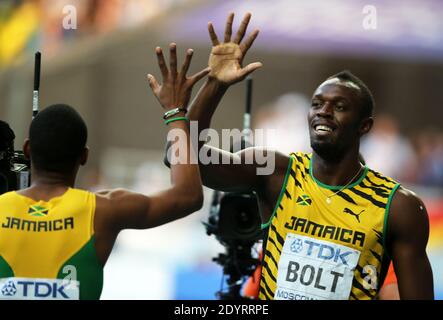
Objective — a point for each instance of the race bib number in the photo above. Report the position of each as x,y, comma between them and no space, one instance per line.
313,269
39,289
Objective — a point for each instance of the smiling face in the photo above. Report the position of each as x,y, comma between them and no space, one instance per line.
335,118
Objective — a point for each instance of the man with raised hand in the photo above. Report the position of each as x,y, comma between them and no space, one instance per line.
55,239
333,224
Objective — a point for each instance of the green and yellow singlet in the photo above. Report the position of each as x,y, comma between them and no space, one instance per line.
47,249
319,249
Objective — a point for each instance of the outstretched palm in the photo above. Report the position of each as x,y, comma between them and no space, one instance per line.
226,58
175,90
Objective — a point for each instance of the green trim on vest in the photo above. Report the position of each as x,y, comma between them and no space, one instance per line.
385,222
89,271
327,186
282,192
5,269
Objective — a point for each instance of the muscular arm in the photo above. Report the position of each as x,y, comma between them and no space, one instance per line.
129,210
408,232
126,209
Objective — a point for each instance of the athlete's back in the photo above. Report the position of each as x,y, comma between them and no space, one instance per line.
47,247
55,240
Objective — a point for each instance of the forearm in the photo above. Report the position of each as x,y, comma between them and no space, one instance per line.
201,110
185,176
206,102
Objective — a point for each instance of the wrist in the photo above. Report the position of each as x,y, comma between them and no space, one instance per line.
216,85
175,112
179,119
171,106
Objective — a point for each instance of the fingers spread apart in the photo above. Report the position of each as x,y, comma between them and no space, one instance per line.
173,60
242,30
161,62
246,45
228,28
212,35
239,35
187,63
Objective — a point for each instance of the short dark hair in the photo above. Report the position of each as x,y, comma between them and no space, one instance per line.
367,99
57,137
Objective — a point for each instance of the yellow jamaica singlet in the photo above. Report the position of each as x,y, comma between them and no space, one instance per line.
47,249
318,249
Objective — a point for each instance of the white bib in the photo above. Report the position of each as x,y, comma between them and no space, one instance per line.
313,269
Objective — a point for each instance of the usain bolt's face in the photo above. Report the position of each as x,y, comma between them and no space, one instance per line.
335,118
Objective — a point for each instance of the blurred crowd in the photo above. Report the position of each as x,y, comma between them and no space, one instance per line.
409,157
28,25
413,157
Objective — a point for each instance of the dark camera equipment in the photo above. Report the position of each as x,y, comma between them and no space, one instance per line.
235,221
36,93
14,167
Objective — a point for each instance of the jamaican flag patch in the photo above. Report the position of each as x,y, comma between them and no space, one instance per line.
304,200
38,211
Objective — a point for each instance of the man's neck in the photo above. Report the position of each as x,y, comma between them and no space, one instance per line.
336,173
47,185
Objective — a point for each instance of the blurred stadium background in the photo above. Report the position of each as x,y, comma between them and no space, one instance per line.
100,69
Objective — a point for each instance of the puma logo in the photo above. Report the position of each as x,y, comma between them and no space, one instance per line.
352,213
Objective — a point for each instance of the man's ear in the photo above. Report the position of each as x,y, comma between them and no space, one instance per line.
27,149
84,156
366,126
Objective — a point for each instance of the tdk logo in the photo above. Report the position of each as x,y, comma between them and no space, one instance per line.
42,290
327,252
38,289
9,289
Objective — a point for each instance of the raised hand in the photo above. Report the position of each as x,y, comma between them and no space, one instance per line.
226,58
175,90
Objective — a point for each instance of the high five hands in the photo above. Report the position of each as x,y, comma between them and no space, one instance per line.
225,65
175,90
227,57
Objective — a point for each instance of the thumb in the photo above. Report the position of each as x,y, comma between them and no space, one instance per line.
250,68
153,83
197,77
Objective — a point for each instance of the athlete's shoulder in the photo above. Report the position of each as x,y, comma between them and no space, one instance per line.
79,195
407,210
275,161
110,194
9,196
406,200
108,200
301,160
408,218
80,191
301,154
283,161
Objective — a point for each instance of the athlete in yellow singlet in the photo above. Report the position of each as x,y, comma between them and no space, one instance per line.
334,224
55,239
